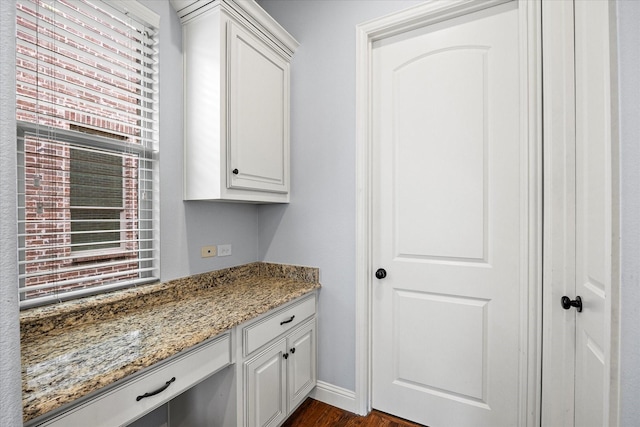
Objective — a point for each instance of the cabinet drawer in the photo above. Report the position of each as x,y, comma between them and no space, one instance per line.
261,332
120,405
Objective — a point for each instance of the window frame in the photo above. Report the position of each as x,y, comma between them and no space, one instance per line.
139,261
147,160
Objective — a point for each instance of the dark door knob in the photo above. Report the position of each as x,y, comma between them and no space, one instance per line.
567,303
381,273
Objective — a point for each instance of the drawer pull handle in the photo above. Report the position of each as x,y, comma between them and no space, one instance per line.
160,390
287,321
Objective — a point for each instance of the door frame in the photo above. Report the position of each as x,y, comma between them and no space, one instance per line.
428,13
531,118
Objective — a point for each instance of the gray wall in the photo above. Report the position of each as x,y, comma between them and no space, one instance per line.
10,400
187,226
318,227
629,92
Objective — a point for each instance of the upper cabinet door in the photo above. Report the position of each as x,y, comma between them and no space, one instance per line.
236,102
258,114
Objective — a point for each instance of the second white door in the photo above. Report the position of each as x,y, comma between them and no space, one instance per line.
577,382
450,228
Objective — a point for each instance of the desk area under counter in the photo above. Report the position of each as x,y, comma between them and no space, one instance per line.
95,359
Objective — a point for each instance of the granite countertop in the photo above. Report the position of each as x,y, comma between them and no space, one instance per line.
77,347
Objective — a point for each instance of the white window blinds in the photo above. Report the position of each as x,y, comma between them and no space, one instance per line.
86,95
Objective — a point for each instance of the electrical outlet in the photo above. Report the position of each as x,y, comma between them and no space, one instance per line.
224,250
208,251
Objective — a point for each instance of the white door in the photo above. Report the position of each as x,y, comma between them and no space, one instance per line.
593,211
450,222
579,196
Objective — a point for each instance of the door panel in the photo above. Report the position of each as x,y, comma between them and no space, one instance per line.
301,364
449,221
451,170
593,208
266,387
258,105
558,350
456,368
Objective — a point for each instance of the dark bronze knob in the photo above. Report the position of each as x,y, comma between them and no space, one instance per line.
381,273
567,303
286,355
235,171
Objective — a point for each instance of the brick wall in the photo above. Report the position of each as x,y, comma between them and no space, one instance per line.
70,94
48,215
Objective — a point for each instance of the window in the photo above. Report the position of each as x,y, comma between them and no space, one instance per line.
97,203
86,92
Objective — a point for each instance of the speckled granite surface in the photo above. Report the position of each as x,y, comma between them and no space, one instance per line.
74,348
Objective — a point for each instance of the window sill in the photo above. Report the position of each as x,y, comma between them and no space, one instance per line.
100,255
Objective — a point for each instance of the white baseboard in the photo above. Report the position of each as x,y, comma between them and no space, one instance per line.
335,396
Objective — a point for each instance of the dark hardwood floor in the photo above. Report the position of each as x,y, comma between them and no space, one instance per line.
313,413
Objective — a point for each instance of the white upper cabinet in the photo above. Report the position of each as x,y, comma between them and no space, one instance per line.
258,111
236,88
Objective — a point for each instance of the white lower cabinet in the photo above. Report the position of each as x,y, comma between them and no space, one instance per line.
280,377
301,364
266,387
274,370
254,375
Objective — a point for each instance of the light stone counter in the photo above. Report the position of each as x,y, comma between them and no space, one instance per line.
74,348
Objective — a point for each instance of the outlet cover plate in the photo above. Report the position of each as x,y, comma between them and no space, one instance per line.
224,250
208,251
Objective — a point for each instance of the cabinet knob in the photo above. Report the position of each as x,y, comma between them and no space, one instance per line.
286,355
381,273
235,171
293,350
